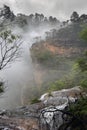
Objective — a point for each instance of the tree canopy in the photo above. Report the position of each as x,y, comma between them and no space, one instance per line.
9,46
83,34
74,17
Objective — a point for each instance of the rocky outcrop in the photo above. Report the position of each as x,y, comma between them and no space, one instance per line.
46,115
56,104
64,94
22,118
7,123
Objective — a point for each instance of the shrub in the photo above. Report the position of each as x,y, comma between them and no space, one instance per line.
84,83
44,56
82,64
83,34
35,100
55,86
80,107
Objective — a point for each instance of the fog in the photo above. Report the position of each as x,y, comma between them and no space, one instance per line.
62,9
19,76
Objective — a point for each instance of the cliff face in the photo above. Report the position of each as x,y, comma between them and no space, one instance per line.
51,56
60,50
55,57
65,42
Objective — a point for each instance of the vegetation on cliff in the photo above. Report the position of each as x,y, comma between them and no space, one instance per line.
69,37
59,52
55,56
79,109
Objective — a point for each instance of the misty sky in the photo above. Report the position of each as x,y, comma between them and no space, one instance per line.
62,9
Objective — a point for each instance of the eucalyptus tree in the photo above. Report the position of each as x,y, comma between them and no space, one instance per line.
9,48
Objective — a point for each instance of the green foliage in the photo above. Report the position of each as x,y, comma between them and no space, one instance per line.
70,80
84,83
61,84
82,64
83,34
8,36
9,47
80,76
80,107
56,85
85,53
35,100
44,56
13,37
75,67
5,34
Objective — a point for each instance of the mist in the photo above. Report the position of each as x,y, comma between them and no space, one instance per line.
62,9
19,76
22,79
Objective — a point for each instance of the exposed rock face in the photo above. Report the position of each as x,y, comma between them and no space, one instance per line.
23,118
46,115
58,48
57,103
52,118
18,124
62,96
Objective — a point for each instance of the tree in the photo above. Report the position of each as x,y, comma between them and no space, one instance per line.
41,17
7,13
9,46
74,17
82,63
37,19
50,19
21,20
31,17
83,34
83,17
45,20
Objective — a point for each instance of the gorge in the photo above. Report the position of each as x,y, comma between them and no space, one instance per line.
46,66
